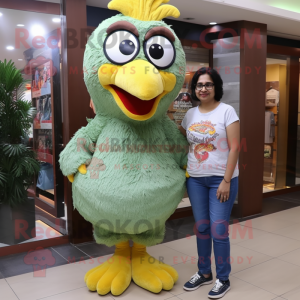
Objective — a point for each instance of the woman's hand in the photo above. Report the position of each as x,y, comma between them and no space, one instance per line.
223,191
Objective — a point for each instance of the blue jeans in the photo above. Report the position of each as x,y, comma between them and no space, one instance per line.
212,222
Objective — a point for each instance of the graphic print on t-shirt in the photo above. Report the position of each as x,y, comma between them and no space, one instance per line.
203,134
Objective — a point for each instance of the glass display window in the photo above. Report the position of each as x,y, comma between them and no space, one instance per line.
276,120
32,42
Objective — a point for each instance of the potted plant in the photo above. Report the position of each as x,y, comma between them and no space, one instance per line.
18,164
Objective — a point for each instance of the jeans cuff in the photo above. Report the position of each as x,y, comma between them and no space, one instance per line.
205,271
222,278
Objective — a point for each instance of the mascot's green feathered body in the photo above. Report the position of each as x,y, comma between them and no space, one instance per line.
127,164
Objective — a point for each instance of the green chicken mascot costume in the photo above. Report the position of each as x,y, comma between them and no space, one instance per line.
127,165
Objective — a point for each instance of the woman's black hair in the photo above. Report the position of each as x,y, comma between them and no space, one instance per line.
216,78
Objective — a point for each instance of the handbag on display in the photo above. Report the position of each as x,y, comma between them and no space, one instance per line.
46,177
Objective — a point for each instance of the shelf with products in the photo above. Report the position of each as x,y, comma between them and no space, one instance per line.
42,92
43,146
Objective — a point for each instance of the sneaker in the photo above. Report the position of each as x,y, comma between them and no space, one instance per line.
220,289
196,281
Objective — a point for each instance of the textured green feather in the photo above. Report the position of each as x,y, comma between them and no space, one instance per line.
135,179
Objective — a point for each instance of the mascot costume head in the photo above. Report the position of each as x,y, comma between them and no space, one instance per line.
126,166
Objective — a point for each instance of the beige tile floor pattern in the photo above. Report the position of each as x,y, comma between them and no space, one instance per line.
265,265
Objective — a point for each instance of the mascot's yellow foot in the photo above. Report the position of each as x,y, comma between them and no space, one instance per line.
149,273
112,276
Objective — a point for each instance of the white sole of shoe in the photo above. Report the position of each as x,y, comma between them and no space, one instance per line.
197,287
219,296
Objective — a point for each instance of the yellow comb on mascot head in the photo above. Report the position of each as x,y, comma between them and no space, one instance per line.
126,165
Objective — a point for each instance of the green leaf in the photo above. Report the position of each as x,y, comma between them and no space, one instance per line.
14,150
18,164
3,179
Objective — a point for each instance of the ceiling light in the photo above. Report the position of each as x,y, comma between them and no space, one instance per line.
188,18
213,23
20,59
1,14
37,30
10,48
20,25
56,20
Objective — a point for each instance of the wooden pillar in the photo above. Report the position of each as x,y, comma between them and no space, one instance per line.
292,98
76,101
252,116
253,55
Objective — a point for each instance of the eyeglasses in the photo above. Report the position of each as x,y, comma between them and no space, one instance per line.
208,86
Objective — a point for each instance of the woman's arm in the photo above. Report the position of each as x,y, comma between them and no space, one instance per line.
233,138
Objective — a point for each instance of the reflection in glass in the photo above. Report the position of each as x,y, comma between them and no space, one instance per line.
32,41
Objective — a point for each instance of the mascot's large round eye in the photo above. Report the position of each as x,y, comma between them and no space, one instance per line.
160,51
121,47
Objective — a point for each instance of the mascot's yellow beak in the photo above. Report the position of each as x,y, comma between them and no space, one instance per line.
137,87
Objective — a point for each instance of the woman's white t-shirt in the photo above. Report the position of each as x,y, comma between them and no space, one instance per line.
206,134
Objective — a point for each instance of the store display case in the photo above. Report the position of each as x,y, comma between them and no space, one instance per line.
48,189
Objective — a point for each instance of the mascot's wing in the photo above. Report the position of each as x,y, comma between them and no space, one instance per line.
177,140
81,147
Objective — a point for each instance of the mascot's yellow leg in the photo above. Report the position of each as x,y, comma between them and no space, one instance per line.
112,276
150,273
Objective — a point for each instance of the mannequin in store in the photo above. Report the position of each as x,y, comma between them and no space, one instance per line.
213,131
272,97
120,185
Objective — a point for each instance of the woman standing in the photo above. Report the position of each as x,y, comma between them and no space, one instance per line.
213,131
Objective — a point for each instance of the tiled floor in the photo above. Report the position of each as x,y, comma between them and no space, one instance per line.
265,255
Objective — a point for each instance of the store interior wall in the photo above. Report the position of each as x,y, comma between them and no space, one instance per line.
282,130
283,41
277,72
298,142
184,30
95,15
